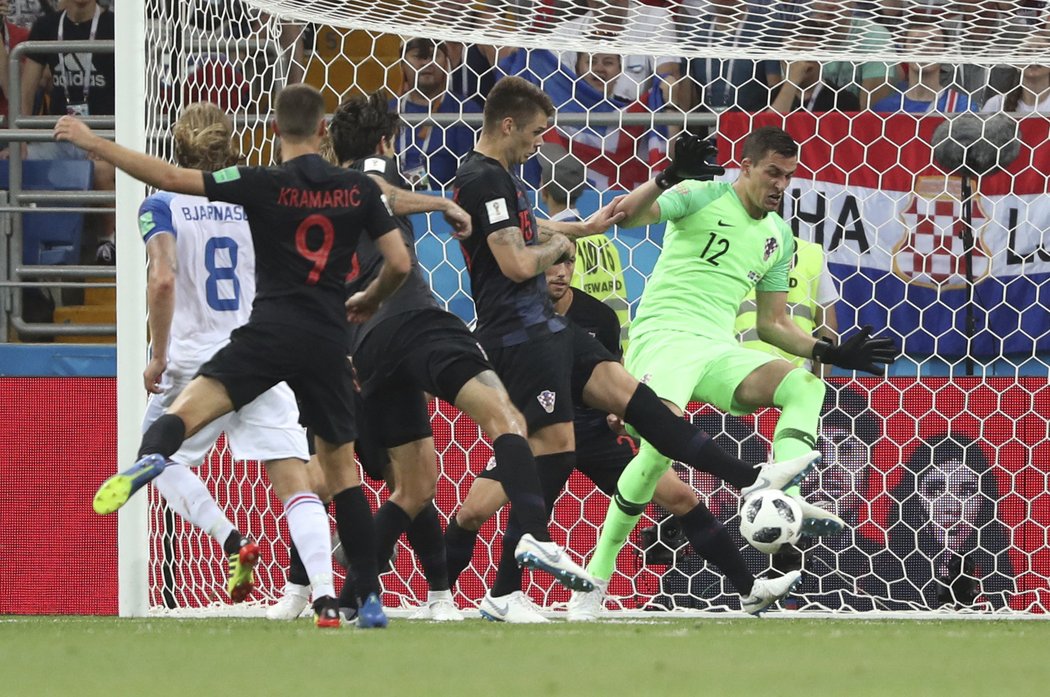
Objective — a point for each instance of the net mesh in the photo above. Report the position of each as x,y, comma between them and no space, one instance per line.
826,29
942,477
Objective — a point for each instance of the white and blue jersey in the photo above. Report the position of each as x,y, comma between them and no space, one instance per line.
214,290
215,283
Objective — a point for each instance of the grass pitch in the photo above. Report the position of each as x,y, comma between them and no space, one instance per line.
716,657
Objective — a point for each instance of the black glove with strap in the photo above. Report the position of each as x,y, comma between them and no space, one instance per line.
859,352
690,161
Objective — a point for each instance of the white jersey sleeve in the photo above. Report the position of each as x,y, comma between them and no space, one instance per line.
215,280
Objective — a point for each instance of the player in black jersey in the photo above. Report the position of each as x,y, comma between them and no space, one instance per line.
306,218
545,367
412,346
602,454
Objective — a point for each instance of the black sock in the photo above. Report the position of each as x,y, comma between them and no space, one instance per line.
426,538
554,471
508,573
296,570
711,541
353,518
391,520
517,473
233,543
164,436
679,440
348,593
459,549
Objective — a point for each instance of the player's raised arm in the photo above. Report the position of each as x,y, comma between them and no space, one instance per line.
145,168
689,161
603,219
404,202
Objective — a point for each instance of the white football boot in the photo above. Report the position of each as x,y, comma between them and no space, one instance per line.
515,608
551,558
767,591
587,607
439,608
294,600
781,475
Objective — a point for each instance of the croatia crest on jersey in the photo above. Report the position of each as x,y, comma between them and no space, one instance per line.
546,400
771,248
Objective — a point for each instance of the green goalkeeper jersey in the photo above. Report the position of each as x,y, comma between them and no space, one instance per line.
713,254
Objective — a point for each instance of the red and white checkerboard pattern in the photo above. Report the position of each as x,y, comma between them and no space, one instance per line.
933,251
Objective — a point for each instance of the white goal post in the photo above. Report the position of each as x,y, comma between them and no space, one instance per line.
965,411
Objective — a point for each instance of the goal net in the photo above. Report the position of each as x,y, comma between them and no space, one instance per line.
940,469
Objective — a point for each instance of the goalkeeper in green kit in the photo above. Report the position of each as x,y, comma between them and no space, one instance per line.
721,240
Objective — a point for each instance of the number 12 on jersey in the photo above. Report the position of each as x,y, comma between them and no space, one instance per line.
716,246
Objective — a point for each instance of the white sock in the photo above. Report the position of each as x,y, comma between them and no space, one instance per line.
308,525
187,495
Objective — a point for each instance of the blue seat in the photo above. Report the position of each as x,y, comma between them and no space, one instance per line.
51,238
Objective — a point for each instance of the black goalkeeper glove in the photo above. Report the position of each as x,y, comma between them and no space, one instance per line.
690,161
859,352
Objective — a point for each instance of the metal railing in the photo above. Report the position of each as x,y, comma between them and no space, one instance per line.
14,275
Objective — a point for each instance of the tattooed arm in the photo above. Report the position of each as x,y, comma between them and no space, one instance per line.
518,262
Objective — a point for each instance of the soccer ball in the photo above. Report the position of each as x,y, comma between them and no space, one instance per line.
770,519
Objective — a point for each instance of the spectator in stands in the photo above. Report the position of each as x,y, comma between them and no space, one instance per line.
923,91
599,269
636,23
615,158
472,71
23,13
1023,90
231,19
946,545
1027,92
562,180
83,86
842,28
721,84
12,35
803,86
430,153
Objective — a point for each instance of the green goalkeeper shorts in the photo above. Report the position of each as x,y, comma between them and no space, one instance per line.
682,367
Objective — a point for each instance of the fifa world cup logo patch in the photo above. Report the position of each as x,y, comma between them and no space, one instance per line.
546,400
771,248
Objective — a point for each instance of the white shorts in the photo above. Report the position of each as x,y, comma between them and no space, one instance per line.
266,428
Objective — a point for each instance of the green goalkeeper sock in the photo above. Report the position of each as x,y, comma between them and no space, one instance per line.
634,490
800,396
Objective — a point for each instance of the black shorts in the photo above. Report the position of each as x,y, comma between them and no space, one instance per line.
538,376
405,356
373,457
261,355
601,457
587,353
